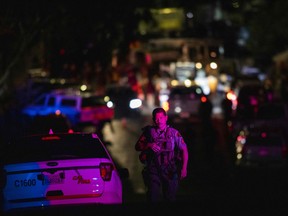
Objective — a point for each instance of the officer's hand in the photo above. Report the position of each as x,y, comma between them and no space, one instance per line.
183,173
156,148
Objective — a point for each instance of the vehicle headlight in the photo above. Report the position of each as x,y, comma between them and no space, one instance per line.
110,104
135,103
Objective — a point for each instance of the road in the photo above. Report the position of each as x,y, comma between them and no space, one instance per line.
212,180
213,186
123,134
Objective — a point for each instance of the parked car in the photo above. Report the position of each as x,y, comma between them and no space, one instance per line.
185,102
59,169
250,97
125,101
257,146
272,111
81,108
268,116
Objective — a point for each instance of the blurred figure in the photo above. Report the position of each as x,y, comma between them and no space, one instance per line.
227,109
208,131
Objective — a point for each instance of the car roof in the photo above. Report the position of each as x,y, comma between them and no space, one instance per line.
265,138
73,92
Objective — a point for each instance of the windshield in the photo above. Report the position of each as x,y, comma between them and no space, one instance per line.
41,148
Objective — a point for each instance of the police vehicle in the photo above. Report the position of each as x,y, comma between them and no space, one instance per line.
59,169
80,107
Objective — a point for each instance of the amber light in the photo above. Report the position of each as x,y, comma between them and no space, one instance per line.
165,106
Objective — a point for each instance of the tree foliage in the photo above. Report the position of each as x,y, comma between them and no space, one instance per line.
268,29
92,29
71,25
21,26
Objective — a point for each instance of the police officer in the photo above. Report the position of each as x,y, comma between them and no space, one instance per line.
165,155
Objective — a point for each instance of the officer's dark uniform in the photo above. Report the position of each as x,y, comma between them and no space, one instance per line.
160,172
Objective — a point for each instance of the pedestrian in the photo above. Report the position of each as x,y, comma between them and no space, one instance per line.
165,156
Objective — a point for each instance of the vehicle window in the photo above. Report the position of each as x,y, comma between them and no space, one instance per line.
40,101
267,141
271,111
68,102
93,101
189,92
121,93
72,147
254,95
42,124
250,98
51,101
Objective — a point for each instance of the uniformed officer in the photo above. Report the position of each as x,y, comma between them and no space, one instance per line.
161,146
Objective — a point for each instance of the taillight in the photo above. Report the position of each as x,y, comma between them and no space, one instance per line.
203,99
106,171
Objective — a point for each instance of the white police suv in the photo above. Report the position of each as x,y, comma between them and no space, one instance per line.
59,170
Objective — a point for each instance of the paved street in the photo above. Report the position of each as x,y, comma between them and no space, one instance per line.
213,186
211,181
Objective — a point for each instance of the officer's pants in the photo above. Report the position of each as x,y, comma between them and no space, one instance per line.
160,187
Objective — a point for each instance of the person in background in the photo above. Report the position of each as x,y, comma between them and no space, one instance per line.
164,153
